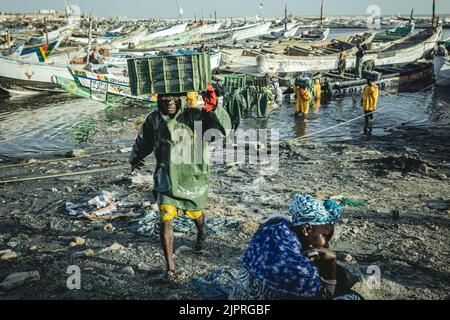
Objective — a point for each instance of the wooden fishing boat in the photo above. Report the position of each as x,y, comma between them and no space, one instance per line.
252,31
441,65
106,88
165,32
23,76
298,59
284,51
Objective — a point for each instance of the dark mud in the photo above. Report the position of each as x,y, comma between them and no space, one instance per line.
404,229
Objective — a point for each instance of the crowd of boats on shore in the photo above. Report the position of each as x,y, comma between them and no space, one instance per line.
88,56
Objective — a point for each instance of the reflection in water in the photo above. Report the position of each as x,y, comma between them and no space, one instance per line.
45,122
41,123
300,125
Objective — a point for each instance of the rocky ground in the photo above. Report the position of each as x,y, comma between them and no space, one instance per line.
403,229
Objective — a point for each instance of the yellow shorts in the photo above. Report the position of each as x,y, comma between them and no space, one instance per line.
168,212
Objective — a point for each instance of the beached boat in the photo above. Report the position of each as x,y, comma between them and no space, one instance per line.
119,59
316,34
50,36
252,31
393,36
165,32
410,50
313,54
441,64
287,31
106,88
85,40
391,78
208,28
128,41
23,76
178,39
100,93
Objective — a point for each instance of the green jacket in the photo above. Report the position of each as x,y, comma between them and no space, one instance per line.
180,177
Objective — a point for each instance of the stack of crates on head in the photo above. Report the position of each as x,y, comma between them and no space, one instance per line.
234,82
303,82
169,74
259,81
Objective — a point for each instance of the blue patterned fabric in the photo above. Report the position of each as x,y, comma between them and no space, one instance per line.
274,257
306,209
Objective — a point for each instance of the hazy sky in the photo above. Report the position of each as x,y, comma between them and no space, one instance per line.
227,8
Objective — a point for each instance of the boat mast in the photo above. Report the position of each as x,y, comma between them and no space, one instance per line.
90,38
8,39
285,17
321,15
46,30
433,18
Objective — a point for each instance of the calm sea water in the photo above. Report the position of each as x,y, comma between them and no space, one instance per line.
45,123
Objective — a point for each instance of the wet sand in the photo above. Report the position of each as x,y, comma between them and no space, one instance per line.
406,170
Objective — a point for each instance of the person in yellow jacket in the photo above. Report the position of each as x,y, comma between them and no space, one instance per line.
369,102
303,99
317,89
342,63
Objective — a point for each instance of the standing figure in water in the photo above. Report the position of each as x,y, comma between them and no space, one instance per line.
369,102
303,100
317,90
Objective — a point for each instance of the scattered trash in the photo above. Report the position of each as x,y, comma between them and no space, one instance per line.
352,203
128,271
102,207
76,153
125,150
12,243
16,280
395,214
109,228
217,286
148,225
77,241
82,254
7,255
114,247
405,163
141,179
144,266
438,204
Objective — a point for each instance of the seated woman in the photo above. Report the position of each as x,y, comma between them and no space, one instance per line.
291,259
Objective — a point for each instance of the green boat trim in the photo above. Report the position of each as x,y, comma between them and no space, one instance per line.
111,100
401,31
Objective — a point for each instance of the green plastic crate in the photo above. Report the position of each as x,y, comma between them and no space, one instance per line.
259,82
234,81
169,74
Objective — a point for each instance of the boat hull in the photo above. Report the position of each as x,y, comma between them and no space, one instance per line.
251,32
442,71
26,76
289,64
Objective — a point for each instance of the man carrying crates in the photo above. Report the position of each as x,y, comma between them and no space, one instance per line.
181,174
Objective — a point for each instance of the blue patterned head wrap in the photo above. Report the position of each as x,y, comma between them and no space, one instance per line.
305,209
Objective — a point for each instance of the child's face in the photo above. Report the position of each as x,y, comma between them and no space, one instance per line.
319,236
